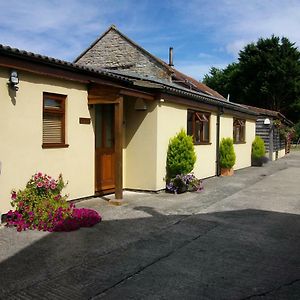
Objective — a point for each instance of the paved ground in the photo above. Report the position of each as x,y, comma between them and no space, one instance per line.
238,239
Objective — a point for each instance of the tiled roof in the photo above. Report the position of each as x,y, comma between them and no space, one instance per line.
195,84
56,62
268,112
175,88
131,79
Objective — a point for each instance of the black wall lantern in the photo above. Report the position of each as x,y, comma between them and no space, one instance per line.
14,80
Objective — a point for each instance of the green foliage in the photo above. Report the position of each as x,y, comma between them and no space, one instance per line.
181,155
223,80
41,204
227,155
258,148
266,75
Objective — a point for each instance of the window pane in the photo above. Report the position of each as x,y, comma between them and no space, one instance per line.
238,130
52,129
205,132
197,131
109,125
53,119
52,103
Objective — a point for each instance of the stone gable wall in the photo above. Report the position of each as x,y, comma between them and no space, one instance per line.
114,52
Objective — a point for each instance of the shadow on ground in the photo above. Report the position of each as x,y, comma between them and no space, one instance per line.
239,254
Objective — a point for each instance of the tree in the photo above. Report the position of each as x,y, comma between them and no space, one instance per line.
266,75
224,80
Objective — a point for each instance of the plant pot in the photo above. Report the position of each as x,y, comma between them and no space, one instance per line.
227,171
257,162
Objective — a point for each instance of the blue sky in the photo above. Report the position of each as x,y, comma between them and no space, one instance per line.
203,33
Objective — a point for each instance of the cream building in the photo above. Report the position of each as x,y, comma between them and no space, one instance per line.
107,130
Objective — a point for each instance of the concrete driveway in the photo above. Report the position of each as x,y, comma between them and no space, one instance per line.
238,239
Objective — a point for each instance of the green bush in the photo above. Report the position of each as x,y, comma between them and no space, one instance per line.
227,155
258,148
181,155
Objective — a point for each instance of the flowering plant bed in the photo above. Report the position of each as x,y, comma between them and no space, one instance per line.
41,206
184,183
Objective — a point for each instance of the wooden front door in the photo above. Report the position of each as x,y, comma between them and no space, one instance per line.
105,148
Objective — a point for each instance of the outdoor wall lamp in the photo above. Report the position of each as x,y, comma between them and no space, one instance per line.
14,80
267,121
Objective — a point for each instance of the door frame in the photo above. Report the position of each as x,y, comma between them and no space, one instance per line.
112,96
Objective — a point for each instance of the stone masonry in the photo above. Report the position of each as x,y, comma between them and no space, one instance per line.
114,52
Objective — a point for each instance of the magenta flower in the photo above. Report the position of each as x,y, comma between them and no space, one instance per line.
39,184
13,195
53,186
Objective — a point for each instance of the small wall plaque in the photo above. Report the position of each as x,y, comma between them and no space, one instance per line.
84,120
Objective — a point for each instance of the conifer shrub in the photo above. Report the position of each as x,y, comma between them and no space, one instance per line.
227,154
258,148
181,155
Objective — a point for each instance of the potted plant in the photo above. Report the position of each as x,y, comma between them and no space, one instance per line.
227,157
181,158
181,155
258,152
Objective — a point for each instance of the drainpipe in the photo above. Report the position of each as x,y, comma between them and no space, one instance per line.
219,113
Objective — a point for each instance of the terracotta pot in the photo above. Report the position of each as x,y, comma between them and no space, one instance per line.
227,171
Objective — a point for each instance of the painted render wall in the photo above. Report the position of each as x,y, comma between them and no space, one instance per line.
171,119
140,146
242,151
21,152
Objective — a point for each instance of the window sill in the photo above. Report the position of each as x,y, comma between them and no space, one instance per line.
46,146
237,143
202,143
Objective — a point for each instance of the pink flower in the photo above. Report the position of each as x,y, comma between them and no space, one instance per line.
13,195
39,184
57,197
39,174
53,186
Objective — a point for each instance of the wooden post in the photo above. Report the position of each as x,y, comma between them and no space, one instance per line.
119,148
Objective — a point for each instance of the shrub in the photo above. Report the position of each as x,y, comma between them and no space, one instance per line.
227,155
41,206
184,183
258,148
181,155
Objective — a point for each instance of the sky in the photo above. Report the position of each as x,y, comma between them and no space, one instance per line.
202,33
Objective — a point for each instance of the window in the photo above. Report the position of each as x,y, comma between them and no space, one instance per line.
198,126
239,131
53,121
